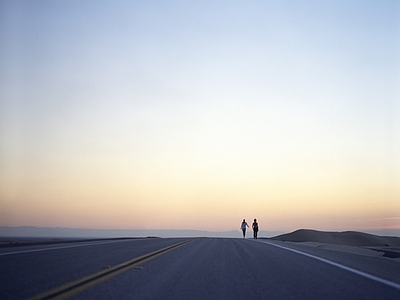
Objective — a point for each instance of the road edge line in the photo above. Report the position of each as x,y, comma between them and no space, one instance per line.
363,274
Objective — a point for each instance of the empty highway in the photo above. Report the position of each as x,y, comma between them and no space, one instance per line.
205,268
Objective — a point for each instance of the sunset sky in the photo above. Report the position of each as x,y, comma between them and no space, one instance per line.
197,114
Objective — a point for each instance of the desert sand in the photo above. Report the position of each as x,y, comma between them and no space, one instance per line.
348,241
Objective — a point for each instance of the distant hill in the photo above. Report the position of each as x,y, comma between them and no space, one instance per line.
349,238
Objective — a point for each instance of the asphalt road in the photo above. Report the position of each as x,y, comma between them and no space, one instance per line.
206,268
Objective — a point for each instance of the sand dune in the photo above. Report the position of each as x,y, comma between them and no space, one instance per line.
347,238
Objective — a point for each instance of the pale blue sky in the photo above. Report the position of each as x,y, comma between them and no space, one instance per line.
200,104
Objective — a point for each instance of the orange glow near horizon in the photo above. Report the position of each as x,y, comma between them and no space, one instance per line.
216,204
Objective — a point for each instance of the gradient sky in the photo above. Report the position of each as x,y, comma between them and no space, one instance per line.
197,114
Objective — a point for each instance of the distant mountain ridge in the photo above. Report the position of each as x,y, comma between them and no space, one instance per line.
32,231
348,238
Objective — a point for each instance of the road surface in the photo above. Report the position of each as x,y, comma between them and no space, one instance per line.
205,268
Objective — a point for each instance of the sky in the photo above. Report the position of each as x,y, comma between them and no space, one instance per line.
197,114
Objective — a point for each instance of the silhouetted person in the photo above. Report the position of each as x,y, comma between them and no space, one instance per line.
255,228
243,227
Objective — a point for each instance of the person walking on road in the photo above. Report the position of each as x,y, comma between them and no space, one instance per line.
243,227
255,228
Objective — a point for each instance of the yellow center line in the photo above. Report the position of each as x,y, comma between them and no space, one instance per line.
69,289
